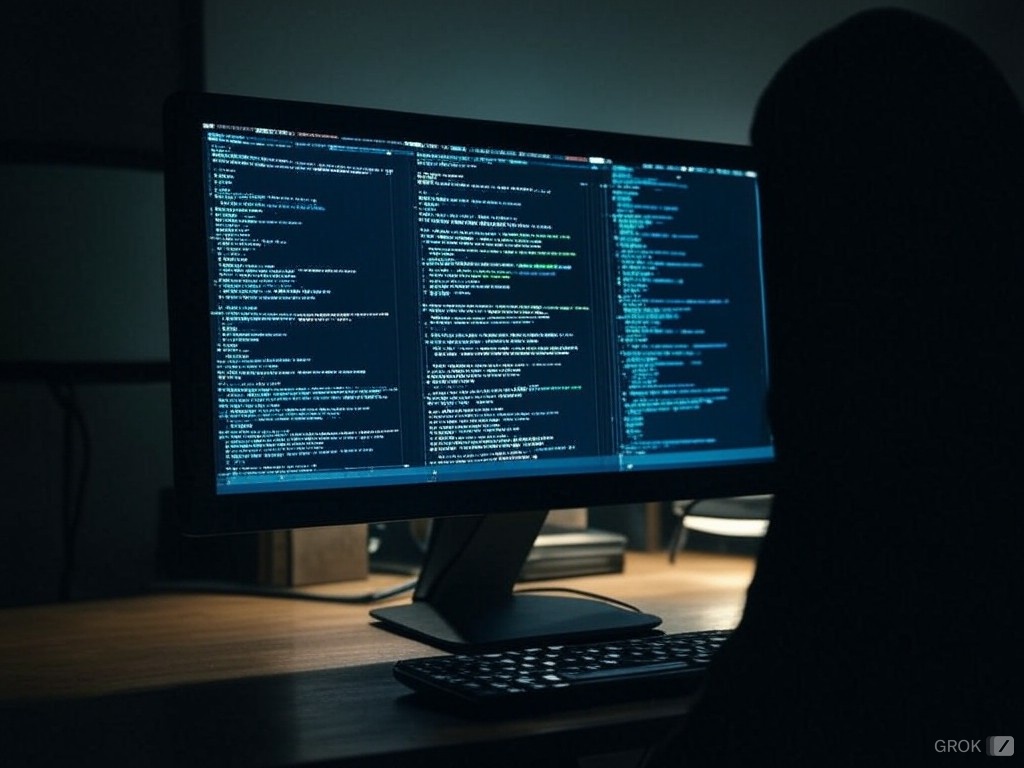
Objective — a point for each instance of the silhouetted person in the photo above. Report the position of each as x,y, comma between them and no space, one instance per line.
882,615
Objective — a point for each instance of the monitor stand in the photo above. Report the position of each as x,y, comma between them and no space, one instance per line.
464,597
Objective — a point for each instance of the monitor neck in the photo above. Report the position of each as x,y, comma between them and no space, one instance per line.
464,599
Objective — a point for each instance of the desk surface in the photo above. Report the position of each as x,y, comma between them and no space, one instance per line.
186,678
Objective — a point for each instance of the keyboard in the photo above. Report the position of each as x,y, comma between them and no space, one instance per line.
563,676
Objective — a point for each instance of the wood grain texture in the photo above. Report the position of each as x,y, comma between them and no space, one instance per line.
186,679
99,647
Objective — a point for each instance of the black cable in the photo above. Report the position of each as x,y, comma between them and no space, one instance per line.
582,593
72,492
67,467
254,590
678,538
61,378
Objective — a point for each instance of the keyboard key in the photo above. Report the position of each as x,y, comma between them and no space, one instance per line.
564,675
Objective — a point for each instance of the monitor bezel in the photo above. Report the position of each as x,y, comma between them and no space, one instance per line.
201,509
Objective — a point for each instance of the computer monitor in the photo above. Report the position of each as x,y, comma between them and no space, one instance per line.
380,316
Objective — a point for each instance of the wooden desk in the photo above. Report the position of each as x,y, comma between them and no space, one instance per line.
219,679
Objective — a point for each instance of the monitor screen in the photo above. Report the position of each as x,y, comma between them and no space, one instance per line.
381,316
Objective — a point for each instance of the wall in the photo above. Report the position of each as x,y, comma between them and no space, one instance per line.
81,278
671,67
81,266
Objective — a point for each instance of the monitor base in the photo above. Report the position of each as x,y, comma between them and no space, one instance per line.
518,620
465,596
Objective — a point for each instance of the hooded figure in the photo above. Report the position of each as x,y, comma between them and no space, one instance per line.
880,618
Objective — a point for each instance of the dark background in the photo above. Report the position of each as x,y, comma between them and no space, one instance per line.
81,256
